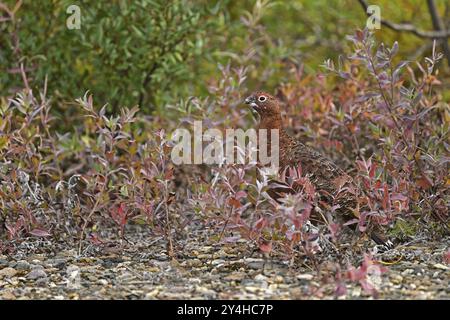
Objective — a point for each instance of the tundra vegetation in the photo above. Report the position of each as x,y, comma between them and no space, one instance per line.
87,116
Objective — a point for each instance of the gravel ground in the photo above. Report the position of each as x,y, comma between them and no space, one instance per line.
203,269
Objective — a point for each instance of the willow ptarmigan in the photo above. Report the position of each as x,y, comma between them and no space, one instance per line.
327,178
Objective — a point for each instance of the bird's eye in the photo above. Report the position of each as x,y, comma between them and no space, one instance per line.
262,98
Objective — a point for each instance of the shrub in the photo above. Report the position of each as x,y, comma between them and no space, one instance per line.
148,43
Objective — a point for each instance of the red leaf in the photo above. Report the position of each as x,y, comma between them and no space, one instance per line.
93,237
234,202
168,175
240,194
121,216
424,182
265,247
447,257
261,223
399,196
372,170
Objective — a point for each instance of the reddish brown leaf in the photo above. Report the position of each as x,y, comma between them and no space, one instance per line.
424,182
447,257
232,201
265,247
261,223
372,170
240,194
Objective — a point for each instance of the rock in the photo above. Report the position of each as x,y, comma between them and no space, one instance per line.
92,278
235,276
192,263
3,262
153,269
256,264
86,260
57,263
195,263
397,279
73,296
162,257
23,265
7,272
356,292
260,277
218,262
36,262
195,280
205,291
194,253
278,279
152,294
68,253
36,274
42,281
407,271
207,249
220,254
72,268
7,295
273,286
36,258
252,289
305,276
441,266
36,266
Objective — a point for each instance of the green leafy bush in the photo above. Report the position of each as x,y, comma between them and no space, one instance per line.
126,52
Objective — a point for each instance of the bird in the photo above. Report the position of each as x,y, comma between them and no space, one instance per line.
330,181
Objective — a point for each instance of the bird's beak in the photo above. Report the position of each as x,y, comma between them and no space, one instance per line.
252,102
249,100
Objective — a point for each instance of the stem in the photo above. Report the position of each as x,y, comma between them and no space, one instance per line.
170,250
86,221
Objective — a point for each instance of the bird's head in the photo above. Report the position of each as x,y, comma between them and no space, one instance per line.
264,104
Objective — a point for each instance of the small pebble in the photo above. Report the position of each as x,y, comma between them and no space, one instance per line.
36,274
7,272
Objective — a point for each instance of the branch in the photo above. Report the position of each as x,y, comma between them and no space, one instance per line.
147,79
439,26
402,27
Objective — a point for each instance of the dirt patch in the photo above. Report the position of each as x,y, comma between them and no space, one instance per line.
203,269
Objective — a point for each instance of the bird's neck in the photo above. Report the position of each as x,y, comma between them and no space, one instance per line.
275,122
271,122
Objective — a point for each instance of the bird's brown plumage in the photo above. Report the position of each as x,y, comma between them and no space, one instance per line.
330,181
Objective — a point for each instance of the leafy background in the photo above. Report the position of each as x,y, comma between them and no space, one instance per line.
154,52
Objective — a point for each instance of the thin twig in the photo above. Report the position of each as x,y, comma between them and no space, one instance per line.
403,27
438,25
